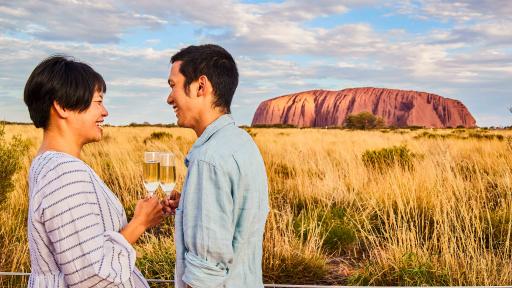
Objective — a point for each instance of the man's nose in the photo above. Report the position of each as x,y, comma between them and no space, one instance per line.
170,99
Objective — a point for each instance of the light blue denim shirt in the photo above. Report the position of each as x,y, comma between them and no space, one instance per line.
221,217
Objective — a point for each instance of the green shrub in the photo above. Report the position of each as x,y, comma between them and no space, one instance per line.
497,229
429,135
461,134
147,124
340,235
388,157
335,229
158,135
408,271
459,131
11,155
477,135
363,120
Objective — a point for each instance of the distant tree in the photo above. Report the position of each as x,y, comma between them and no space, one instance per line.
363,120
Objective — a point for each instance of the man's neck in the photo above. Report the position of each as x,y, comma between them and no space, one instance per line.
208,119
59,141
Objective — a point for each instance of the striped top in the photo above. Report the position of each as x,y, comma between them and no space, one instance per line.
73,228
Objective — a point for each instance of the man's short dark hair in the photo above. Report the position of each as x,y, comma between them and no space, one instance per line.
214,62
60,78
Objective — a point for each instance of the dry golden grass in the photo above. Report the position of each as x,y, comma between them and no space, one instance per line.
445,221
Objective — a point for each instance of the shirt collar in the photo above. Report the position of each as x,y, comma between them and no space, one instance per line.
215,126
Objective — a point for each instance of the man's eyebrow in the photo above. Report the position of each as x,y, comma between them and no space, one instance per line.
170,82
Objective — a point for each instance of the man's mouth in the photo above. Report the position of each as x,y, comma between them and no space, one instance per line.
100,124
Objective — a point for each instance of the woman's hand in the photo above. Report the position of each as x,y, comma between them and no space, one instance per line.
148,213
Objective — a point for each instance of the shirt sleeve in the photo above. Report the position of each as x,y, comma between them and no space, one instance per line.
87,254
207,225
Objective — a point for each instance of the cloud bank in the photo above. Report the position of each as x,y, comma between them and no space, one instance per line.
455,49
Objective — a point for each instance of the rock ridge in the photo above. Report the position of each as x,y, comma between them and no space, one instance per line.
399,108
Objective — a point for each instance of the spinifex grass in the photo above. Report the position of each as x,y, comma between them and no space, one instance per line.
448,221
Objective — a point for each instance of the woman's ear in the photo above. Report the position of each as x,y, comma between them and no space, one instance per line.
60,111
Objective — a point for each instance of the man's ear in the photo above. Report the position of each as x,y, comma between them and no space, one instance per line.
204,86
60,111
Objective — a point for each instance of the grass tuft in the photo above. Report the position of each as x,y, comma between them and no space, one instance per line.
388,157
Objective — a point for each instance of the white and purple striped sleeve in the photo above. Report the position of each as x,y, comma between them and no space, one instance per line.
88,254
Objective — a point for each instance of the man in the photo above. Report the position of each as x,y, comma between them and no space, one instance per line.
222,210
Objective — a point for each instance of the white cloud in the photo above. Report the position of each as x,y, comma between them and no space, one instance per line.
141,82
458,11
152,42
136,78
90,21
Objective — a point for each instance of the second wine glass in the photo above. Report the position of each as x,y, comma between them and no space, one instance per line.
167,172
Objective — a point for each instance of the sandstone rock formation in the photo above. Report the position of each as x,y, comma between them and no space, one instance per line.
321,108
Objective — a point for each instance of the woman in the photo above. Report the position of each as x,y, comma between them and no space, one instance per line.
77,229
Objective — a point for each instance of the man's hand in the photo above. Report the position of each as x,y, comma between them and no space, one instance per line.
170,204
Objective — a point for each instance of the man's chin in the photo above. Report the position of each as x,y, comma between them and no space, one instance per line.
181,124
92,140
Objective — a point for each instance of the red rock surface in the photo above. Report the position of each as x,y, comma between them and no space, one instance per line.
321,108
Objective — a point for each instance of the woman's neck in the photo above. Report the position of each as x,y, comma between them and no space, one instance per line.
59,142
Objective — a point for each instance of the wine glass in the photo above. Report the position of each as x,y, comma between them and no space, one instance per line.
151,165
167,172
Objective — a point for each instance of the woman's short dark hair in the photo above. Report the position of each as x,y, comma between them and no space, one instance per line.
60,78
214,62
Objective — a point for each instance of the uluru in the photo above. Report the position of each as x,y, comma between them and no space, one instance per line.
398,108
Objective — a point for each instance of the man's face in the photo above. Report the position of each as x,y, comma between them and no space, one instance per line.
185,106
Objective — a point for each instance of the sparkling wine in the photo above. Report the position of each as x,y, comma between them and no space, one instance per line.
151,176
167,172
167,178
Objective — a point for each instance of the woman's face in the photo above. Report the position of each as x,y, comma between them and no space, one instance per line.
89,123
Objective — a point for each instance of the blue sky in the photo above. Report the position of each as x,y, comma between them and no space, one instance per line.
456,49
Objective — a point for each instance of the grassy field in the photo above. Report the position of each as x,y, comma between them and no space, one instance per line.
388,207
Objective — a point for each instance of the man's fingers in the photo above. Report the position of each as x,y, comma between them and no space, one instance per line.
174,204
175,195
